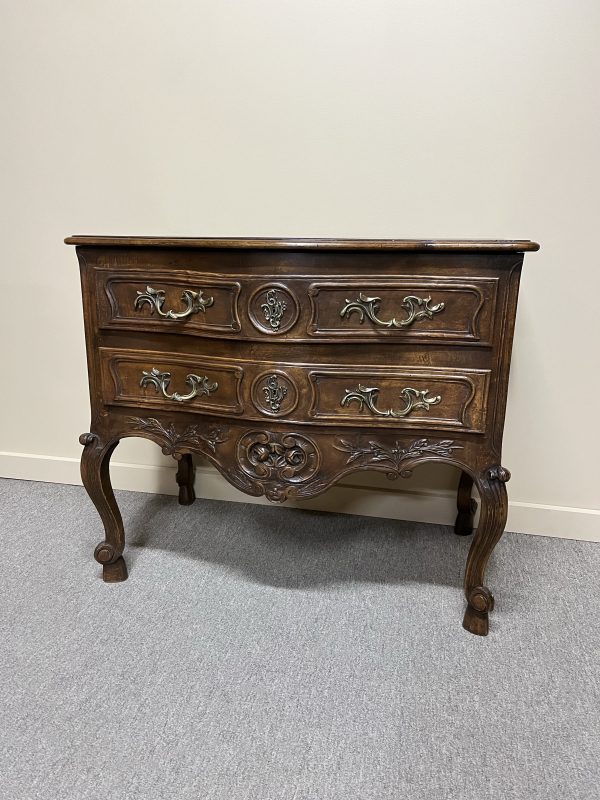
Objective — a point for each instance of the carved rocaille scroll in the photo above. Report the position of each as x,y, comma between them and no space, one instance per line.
278,462
292,364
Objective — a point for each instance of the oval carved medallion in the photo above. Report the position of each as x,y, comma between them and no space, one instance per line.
274,393
273,309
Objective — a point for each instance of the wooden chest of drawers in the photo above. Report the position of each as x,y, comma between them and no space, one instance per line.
290,364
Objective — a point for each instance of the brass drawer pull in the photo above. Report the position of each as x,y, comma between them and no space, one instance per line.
160,380
413,398
156,298
417,308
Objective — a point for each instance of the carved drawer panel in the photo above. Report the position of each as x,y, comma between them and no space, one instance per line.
181,302
171,382
430,398
408,307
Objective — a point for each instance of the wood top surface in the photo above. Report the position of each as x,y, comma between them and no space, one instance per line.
415,245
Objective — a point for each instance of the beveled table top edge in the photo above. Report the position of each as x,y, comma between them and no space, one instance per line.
414,245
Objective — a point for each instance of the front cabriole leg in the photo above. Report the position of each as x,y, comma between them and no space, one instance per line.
492,519
95,462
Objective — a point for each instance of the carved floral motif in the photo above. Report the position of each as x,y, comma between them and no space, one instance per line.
173,439
277,461
393,458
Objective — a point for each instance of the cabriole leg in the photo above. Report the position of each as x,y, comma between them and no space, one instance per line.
492,519
465,505
185,479
95,463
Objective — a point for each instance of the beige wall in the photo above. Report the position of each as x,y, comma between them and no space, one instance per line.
384,118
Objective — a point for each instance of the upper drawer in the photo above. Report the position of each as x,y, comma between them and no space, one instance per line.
407,308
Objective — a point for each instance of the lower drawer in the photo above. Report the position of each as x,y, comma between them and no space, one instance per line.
318,394
430,398
167,382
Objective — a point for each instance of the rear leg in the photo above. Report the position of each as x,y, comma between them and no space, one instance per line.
185,479
466,506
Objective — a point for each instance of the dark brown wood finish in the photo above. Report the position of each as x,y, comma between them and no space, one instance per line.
255,243
289,364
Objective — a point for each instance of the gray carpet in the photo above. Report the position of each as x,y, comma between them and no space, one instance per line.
272,654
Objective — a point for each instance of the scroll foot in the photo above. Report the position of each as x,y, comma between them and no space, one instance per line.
479,603
114,568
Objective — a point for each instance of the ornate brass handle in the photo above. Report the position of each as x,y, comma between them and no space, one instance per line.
160,380
416,307
156,298
367,396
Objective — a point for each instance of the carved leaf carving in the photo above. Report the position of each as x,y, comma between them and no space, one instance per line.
173,440
396,455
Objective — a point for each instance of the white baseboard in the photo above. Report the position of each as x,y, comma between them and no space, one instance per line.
345,498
